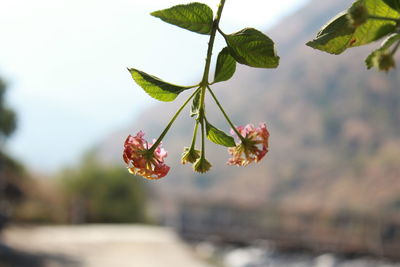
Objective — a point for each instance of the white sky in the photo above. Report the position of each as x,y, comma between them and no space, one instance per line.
65,62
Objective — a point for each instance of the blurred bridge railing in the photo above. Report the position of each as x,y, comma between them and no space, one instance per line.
343,232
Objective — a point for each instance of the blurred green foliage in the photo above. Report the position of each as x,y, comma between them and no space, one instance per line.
7,116
103,194
11,173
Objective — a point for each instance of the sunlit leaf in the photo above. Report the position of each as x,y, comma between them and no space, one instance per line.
395,4
253,48
219,137
195,104
196,17
156,87
226,66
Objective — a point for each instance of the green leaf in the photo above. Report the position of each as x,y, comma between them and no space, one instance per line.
195,17
218,136
195,104
338,35
156,87
395,4
373,59
251,47
226,66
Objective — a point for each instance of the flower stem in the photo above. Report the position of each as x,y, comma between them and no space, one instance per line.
203,145
383,18
196,127
155,145
225,115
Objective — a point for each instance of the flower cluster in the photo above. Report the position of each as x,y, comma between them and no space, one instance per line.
253,147
357,15
384,61
142,159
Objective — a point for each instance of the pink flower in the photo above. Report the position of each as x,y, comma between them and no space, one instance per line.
141,160
254,146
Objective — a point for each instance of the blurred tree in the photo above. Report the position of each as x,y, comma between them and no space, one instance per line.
7,116
10,170
103,194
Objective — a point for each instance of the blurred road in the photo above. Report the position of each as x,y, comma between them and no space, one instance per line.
95,245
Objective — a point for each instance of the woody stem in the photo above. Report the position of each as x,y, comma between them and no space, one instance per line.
204,82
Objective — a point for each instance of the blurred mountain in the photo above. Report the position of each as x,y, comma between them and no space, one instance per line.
335,129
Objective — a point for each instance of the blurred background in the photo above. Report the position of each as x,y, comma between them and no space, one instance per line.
326,195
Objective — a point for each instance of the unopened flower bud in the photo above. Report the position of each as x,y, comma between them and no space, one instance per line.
385,61
202,165
357,15
190,155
